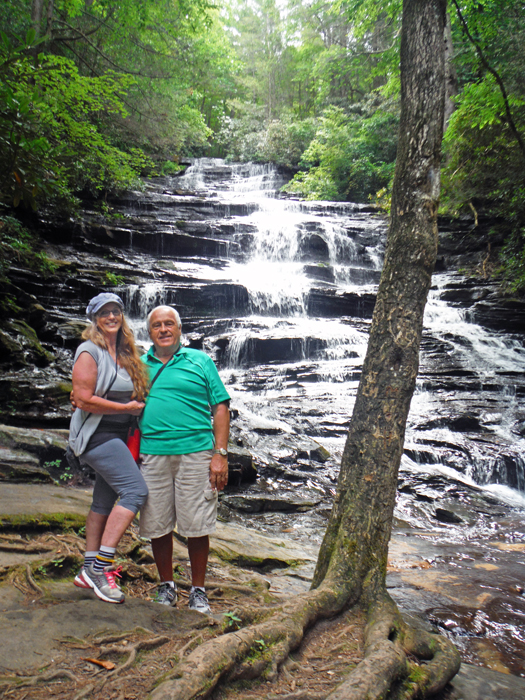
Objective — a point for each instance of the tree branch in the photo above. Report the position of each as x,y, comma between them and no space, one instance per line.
497,78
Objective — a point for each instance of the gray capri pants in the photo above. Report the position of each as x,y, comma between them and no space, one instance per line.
117,477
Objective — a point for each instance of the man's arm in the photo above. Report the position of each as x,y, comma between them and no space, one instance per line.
221,433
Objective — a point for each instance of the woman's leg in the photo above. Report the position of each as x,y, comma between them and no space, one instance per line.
117,476
95,526
117,523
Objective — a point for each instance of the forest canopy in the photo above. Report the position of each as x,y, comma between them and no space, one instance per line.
95,94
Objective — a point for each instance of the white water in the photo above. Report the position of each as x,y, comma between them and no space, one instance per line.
322,376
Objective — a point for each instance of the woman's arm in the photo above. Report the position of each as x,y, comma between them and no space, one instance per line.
84,383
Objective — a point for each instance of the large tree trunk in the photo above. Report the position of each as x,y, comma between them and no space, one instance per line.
355,546
353,557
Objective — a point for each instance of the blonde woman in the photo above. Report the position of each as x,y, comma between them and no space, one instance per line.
109,387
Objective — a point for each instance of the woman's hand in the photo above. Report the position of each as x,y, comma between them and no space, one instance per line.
134,407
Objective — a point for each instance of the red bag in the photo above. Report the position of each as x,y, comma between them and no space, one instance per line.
133,442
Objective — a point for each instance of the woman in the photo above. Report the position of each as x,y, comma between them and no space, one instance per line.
109,387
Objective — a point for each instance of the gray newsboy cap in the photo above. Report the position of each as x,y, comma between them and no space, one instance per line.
99,301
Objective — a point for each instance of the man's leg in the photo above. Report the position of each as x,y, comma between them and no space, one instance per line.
163,553
198,550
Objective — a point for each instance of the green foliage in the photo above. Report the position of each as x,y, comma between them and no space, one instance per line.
351,156
512,259
113,280
95,87
280,141
20,247
50,145
170,168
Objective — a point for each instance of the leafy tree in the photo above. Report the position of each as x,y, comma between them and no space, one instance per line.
484,143
50,146
350,157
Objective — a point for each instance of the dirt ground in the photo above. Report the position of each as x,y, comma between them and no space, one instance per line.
128,665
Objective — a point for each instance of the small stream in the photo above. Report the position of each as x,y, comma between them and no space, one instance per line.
280,293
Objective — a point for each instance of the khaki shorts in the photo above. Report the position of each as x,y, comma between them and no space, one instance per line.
179,492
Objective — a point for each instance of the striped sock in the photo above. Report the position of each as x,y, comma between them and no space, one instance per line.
89,558
104,558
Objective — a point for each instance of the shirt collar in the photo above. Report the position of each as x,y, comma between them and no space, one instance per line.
151,353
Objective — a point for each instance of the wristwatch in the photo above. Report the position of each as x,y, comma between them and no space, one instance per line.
221,451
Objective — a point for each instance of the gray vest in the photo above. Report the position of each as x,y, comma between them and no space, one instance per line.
84,424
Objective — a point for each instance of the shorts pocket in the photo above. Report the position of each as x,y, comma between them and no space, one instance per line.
210,494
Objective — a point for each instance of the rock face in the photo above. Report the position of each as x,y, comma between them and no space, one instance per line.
31,455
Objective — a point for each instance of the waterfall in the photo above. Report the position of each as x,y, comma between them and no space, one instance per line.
281,293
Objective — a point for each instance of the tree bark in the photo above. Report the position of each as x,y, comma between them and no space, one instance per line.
451,84
355,545
37,7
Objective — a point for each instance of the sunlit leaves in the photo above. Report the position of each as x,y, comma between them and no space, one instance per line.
350,157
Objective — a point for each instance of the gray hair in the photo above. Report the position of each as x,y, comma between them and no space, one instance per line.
164,307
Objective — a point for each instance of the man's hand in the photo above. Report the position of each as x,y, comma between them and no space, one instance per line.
218,472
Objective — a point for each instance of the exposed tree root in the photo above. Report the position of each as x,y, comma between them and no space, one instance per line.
299,695
44,677
386,667
250,652
31,581
28,548
262,648
131,650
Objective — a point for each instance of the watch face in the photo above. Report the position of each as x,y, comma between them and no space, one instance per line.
222,451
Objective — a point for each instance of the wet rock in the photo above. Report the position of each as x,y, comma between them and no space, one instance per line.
37,316
320,272
500,314
508,469
19,344
262,351
320,454
446,516
313,247
461,424
71,332
476,683
35,400
247,503
332,303
519,428
10,351
242,469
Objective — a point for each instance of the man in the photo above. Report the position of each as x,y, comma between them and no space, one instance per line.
184,455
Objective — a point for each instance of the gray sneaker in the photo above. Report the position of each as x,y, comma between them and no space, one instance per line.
104,583
199,601
166,594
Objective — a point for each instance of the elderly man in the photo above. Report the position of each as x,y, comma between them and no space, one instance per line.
184,455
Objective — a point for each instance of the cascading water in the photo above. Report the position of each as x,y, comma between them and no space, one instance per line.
281,294
309,272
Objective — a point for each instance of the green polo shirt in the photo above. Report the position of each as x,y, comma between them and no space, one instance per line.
177,417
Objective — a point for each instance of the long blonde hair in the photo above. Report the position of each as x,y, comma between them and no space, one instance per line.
128,355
